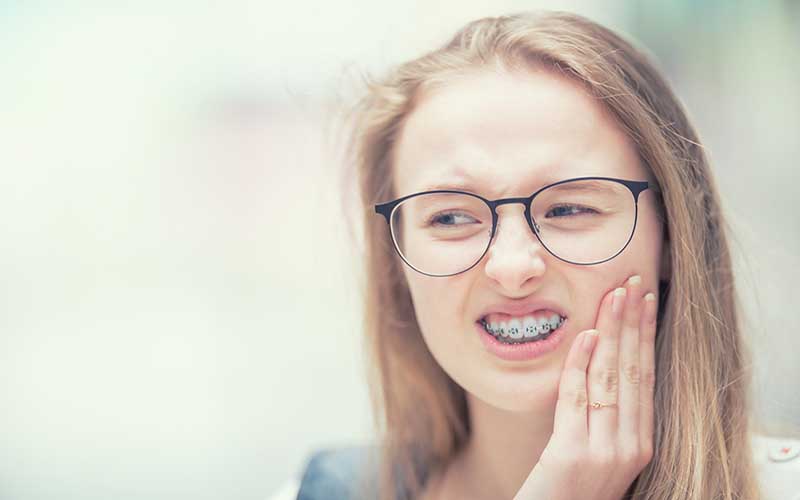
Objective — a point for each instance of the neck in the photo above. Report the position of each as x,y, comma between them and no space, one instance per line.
503,448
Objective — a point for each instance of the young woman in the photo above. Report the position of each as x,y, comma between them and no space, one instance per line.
550,306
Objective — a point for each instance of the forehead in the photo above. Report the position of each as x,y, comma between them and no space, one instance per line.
502,134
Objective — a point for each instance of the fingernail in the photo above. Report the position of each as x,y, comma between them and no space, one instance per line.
634,280
650,309
619,298
589,337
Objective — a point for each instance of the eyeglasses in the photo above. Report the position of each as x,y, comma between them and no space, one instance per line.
583,221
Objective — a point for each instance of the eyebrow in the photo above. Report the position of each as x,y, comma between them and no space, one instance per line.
462,181
457,184
592,186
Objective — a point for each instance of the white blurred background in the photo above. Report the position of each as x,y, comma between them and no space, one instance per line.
178,317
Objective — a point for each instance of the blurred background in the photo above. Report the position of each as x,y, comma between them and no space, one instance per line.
178,313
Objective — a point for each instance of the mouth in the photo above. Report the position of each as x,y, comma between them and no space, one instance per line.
530,328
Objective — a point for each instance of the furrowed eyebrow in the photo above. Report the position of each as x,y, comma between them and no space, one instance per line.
591,186
467,183
459,177
457,185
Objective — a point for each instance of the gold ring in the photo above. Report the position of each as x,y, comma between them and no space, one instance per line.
598,404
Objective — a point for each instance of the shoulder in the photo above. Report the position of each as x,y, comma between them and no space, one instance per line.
777,460
343,473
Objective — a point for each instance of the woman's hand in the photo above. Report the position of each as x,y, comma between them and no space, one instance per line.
597,452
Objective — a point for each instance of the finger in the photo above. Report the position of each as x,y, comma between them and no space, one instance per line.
570,414
647,332
629,365
604,371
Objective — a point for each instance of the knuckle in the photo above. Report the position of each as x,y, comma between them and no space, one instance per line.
604,458
578,398
632,374
572,463
649,379
608,378
629,454
580,461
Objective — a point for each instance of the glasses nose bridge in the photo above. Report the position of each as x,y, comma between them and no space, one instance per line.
525,202
509,201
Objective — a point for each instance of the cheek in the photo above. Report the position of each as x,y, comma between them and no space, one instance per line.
436,302
641,256
439,308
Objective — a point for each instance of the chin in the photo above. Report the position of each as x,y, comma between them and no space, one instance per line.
522,395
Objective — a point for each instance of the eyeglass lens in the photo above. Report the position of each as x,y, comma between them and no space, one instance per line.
583,221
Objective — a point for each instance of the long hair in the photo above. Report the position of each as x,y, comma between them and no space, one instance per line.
702,448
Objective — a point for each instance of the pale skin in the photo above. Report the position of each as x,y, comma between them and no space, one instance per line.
533,433
597,453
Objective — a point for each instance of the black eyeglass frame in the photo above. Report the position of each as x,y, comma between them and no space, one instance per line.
636,188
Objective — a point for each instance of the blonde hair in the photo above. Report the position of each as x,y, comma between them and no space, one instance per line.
702,448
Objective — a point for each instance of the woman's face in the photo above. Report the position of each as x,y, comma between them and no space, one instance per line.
508,135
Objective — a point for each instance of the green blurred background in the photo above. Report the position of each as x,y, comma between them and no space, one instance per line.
178,315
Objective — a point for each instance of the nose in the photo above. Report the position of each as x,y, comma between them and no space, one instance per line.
515,255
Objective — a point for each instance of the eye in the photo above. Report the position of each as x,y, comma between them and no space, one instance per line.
451,219
568,210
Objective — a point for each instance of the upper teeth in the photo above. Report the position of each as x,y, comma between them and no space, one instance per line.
528,326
